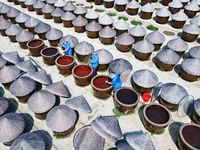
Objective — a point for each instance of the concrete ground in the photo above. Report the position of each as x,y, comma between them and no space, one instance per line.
133,122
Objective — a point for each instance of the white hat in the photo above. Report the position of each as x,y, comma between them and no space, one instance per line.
111,75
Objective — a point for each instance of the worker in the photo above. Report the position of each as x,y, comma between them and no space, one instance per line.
67,48
116,81
94,62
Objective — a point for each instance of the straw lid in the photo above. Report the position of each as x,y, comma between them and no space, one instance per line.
38,4
105,57
24,36
68,16
125,39
192,6
155,37
133,4
22,18
69,7
91,14
22,86
175,4
4,9
121,25
11,126
50,1
107,32
80,10
59,88
2,62
41,101
79,103
4,24
48,8
42,27
54,34
122,145
147,8
139,140
144,46
177,44
41,77
121,2
60,3
197,106
195,20
192,29
145,78
12,13
28,141
93,26
79,21
120,65
12,57
179,16
57,12
194,52
32,22
163,12
168,56
26,66
172,92
4,104
29,2
71,39
84,48
191,66
137,31
105,20
61,118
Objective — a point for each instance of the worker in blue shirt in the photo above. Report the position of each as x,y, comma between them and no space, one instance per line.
116,81
67,48
94,62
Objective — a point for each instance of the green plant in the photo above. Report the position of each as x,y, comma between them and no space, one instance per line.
99,10
105,99
123,17
161,69
57,136
111,14
152,27
117,112
66,75
135,22
72,1
157,133
29,54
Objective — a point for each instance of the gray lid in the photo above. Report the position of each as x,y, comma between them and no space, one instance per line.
197,106
32,22
192,6
61,118
11,126
168,56
28,141
172,92
133,4
42,27
24,36
93,26
125,39
179,16
108,0
147,8
48,8
175,4
155,37
41,77
163,12
41,101
106,20
22,86
139,140
120,65
71,39
2,62
68,16
107,32
4,104
91,14
69,7
79,103
195,20
12,57
191,66
121,2
80,10
79,21
192,29
4,9
177,45
38,4
144,46
21,0
121,25
84,48
57,12
105,57
59,88
197,1
123,145
60,3
54,34
184,1
137,31
22,18
12,13
1,4
26,66
8,74
4,24
29,2
194,52
50,1
145,78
